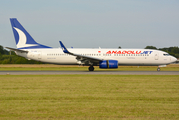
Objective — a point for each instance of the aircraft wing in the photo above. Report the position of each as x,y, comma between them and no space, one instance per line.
79,57
18,50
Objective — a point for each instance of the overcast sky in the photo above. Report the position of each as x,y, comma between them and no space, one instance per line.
93,23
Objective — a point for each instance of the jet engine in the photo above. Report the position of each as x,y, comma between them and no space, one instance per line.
108,64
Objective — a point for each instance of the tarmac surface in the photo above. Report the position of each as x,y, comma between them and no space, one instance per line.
89,72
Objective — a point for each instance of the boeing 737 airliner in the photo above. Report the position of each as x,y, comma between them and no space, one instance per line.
104,58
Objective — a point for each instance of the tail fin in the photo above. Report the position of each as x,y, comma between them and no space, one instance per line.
22,37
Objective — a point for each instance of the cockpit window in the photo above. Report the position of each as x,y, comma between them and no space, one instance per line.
166,54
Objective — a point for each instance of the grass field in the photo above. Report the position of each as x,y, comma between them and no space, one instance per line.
43,67
89,97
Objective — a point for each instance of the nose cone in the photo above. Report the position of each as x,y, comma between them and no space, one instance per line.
173,59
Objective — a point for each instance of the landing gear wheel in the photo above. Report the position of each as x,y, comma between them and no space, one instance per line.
158,69
91,68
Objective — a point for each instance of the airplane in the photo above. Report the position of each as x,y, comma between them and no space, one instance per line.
104,58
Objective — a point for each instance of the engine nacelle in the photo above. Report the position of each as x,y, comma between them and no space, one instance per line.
108,64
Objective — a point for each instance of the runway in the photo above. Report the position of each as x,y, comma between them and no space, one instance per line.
89,73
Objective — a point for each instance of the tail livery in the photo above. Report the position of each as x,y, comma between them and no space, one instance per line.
23,38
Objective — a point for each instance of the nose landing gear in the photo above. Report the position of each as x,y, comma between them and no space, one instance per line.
158,69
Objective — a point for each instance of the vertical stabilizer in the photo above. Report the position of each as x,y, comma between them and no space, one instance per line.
23,38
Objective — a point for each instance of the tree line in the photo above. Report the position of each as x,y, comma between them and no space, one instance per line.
174,51
9,57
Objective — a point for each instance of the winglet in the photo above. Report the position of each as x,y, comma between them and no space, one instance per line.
63,48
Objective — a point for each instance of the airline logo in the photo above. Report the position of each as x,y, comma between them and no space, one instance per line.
129,52
22,39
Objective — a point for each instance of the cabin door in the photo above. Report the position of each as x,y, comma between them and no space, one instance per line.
156,56
39,55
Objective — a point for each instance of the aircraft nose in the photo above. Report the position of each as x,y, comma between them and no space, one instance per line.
173,59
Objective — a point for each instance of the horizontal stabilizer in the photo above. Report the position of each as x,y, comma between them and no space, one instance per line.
18,50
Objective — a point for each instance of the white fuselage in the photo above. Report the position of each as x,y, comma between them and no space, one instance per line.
139,57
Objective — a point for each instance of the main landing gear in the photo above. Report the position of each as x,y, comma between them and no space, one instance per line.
91,68
158,69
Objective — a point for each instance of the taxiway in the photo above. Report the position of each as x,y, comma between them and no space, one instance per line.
87,72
